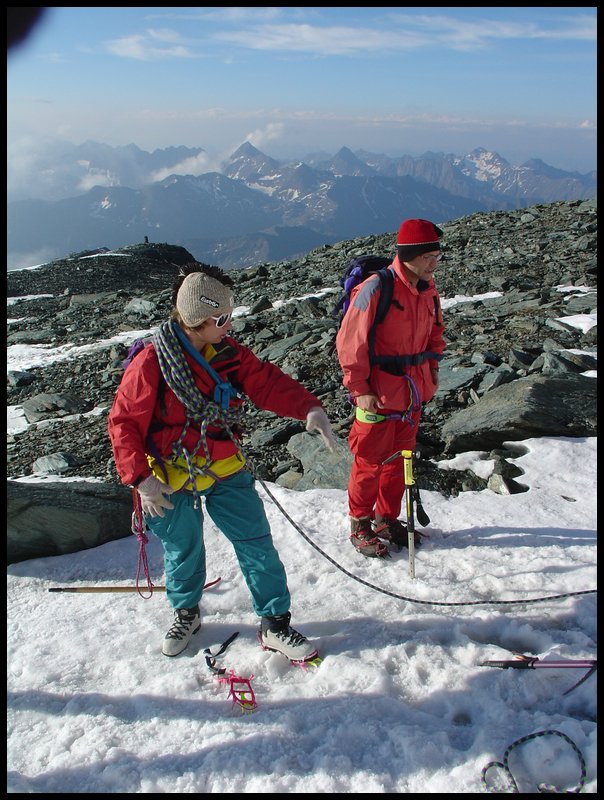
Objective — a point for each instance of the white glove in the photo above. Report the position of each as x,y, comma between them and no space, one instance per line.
317,420
153,496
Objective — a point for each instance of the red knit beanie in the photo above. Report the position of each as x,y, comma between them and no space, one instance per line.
417,236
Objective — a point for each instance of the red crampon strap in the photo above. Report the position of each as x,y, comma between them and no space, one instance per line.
240,691
138,529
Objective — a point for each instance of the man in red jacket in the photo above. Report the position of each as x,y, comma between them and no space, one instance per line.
174,430
388,396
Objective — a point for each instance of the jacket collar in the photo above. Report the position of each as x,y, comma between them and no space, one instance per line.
421,286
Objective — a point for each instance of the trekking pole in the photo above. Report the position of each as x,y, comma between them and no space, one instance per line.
521,661
116,588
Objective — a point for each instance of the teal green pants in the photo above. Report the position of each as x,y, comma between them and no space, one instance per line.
236,509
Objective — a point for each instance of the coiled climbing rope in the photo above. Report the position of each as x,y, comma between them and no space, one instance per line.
512,786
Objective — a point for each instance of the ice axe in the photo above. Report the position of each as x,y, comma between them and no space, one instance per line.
522,661
412,500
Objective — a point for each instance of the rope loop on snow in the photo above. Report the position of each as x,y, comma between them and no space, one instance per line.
549,788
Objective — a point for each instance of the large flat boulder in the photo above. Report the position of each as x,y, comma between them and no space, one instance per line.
540,405
54,518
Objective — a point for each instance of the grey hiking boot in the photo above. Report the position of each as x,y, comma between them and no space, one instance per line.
186,623
394,532
276,634
364,539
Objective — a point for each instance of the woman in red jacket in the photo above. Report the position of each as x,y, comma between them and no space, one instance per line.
389,395
174,430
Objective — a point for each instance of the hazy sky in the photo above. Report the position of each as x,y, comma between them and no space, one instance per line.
520,81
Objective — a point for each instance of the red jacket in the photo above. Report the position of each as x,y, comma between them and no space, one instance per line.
412,326
145,405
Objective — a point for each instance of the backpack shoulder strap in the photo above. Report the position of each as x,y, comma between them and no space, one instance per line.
386,279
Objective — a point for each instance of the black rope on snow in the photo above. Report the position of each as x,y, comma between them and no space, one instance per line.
412,599
543,787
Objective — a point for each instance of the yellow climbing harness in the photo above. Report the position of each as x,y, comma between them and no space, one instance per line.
176,471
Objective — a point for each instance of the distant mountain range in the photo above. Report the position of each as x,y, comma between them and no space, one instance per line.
256,209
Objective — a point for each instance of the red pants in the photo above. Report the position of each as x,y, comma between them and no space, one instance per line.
374,488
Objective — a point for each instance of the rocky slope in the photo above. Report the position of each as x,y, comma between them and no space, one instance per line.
513,366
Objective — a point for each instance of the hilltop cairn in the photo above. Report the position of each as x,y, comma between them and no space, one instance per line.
519,363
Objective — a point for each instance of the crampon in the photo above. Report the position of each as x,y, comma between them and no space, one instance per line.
310,663
240,691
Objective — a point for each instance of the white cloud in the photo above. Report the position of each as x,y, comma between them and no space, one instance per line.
261,136
403,32
196,165
95,178
143,47
334,40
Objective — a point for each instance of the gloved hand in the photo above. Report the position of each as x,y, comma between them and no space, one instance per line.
153,496
317,420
